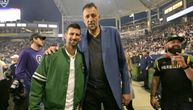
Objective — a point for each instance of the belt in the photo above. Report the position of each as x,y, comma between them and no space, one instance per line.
97,86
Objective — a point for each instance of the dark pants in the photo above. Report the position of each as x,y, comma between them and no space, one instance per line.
23,103
145,79
177,106
130,106
4,93
95,96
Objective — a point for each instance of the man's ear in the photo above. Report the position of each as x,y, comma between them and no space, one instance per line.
33,39
64,36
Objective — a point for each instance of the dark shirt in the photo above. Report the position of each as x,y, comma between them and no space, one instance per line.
176,87
12,67
145,62
96,74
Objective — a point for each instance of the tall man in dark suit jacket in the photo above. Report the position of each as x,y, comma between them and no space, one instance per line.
107,80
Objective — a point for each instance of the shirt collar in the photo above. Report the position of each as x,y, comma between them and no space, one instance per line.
71,56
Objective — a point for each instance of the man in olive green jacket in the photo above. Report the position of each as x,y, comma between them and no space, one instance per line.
59,80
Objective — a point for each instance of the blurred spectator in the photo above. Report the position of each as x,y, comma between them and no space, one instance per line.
5,84
144,66
29,59
13,64
3,67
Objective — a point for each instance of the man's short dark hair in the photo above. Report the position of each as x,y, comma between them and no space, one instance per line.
73,25
89,5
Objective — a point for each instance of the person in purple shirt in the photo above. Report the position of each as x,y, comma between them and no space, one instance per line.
29,59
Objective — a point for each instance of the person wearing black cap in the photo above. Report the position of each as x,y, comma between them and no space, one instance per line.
174,71
29,59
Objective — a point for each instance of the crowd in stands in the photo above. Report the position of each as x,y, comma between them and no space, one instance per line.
153,41
10,46
136,44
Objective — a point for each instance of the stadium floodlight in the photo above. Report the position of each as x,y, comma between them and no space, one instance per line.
21,24
2,25
60,35
179,14
52,26
42,25
10,24
161,19
132,15
10,14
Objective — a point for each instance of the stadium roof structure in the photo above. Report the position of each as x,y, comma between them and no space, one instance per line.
72,9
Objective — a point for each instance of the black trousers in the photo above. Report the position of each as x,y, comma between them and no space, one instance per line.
4,93
145,78
23,104
95,96
130,106
177,106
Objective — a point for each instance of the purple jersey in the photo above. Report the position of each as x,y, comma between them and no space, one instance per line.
29,60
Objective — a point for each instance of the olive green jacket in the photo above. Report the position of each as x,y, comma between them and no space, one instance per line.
50,81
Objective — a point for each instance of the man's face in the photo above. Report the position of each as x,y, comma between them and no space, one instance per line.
39,41
173,45
91,18
72,37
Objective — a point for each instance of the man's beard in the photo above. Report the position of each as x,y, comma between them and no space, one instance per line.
74,43
174,50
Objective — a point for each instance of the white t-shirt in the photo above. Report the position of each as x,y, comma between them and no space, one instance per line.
71,84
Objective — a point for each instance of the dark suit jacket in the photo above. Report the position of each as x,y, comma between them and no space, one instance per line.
114,61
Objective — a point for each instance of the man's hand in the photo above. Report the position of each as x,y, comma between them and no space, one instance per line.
126,98
154,102
180,60
51,50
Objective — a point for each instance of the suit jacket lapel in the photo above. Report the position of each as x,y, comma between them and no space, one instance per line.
85,48
104,41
